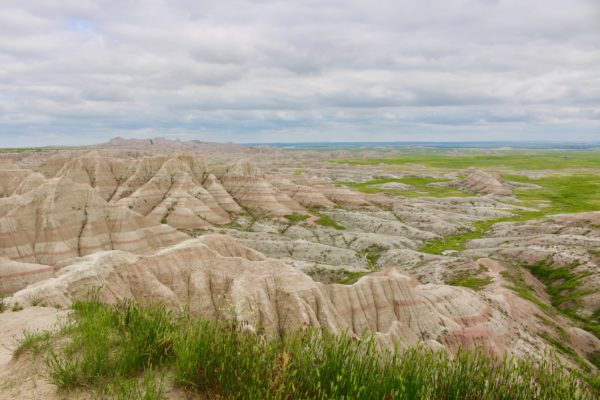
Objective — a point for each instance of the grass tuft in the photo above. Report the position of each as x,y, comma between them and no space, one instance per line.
33,342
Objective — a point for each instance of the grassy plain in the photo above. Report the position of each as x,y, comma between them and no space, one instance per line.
508,159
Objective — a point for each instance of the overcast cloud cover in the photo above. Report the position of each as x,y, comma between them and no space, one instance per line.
82,71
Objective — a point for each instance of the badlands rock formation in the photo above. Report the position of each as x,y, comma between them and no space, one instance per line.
61,219
180,190
218,278
16,275
486,183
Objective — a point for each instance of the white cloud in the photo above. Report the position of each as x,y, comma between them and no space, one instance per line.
82,71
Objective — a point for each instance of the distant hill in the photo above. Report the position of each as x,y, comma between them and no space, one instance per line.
164,144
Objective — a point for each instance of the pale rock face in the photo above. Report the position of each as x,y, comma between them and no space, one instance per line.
244,168
336,194
15,275
61,219
160,144
179,190
52,165
102,173
304,195
167,188
246,184
16,181
31,182
221,196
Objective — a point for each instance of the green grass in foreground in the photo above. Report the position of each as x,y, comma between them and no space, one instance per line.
117,351
421,188
513,159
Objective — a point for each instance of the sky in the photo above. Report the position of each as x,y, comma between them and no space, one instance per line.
82,71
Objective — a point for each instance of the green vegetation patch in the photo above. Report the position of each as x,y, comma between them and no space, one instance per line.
292,220
326,220
561,283
479,229
352,277
563,287
296,218
524,290
594,358
420,185
372,255
562,194
557,193
510,159
24,149
118,349
471,282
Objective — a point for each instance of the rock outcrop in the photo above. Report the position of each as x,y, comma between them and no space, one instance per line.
15,275
486,183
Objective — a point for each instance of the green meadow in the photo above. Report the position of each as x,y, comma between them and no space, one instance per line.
509,159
